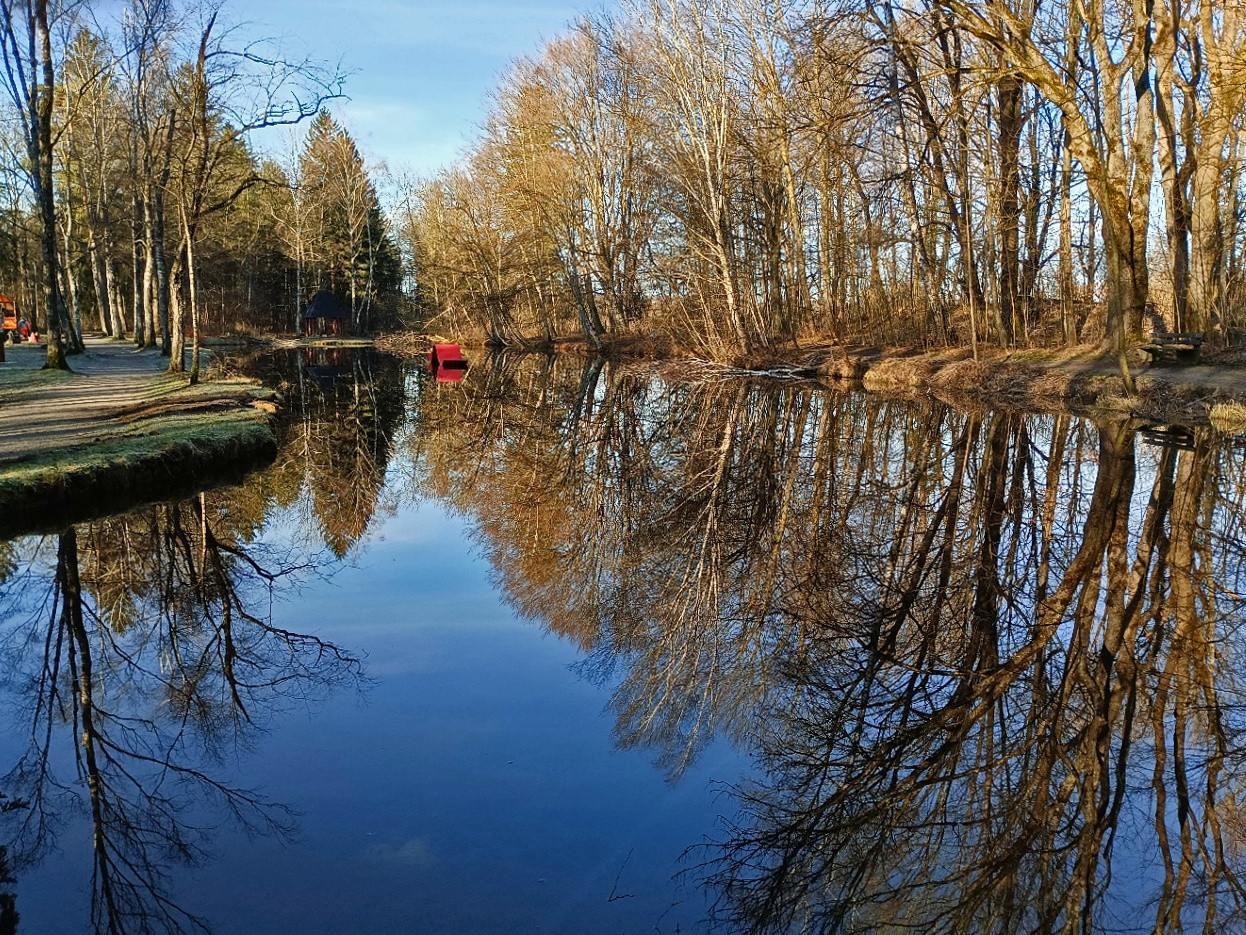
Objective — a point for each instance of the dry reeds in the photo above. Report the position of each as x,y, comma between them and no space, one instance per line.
406,343
898,373
1228,418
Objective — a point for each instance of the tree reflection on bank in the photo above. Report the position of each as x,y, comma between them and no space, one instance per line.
988,662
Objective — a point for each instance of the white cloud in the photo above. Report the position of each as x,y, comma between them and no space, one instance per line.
419,73
415,853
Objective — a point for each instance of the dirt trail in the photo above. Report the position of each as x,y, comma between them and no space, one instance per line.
1227,372
68,412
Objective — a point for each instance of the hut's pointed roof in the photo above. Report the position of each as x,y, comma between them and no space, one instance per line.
324,305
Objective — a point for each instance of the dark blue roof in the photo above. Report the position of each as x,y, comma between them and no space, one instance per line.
324,305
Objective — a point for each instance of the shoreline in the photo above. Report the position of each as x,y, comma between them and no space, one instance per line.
1079,380
106,479
119,433
153,437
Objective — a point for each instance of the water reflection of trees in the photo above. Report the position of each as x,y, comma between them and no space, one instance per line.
989,662
342,409
142,654
978,770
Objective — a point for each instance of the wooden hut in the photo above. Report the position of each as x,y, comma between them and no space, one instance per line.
324,316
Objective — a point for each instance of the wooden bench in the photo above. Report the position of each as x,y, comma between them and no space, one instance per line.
1168,436
1183,347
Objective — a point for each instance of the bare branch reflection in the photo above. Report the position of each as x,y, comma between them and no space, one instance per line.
150,661
343,408
987,662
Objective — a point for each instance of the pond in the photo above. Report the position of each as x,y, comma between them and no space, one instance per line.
563,647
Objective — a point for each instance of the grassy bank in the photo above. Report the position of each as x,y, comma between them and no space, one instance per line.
175,440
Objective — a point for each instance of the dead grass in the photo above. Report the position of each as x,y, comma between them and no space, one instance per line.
407,344
1228,418
836,363
1071,379
892,373
638,345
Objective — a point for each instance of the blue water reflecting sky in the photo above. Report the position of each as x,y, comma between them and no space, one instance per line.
470,786
926,732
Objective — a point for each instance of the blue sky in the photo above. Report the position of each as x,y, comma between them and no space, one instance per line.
420,70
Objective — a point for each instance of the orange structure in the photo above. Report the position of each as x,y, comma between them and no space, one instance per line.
9,308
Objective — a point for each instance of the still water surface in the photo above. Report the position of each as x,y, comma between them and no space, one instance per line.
565,649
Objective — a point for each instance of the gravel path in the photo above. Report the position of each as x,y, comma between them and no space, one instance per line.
68,412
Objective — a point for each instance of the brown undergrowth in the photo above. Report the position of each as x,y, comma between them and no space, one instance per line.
1080,379
650,346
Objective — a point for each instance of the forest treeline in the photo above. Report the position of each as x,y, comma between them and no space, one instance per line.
736,173
134,202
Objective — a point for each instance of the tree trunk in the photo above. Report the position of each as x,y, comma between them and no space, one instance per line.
40,145
1205,235
72,307
176,337
149,293
99,281
155,233
194,302
141,269
161,263
1068,317
116,304
1010,122
1174,172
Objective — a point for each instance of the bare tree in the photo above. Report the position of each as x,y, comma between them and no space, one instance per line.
30,79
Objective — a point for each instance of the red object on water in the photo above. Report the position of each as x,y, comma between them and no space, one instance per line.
447,363
443,354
